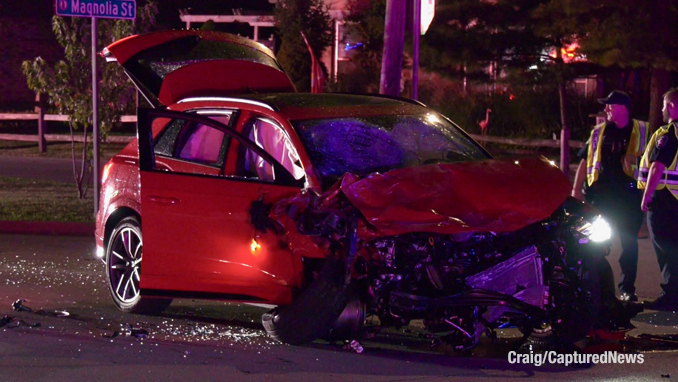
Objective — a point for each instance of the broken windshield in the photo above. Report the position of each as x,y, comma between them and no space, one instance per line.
363,145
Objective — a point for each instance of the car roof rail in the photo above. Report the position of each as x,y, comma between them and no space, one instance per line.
403,99
231,99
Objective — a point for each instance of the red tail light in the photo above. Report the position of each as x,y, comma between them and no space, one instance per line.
107,170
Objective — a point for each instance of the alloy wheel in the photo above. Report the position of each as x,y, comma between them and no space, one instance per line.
125,264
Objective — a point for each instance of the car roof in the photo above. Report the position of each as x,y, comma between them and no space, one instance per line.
299,106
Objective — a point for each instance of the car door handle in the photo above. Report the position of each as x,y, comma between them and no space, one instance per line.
163,201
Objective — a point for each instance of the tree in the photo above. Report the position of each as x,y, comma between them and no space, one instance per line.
68,82
523,39
365,22
292,18
630,34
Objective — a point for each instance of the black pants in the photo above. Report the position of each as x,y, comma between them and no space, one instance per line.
620,205
661,221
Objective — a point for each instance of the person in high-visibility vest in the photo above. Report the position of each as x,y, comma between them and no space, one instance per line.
659,178
608,169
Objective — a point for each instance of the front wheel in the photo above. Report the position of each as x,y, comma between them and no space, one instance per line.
123,270
311,314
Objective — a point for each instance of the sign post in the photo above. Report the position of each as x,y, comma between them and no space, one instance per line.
424,10
108,9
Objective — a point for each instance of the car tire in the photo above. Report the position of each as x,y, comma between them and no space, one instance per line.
123,270
312,314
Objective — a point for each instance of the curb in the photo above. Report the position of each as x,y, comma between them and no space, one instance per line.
47,228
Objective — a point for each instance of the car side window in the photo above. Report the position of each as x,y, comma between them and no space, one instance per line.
204,144
164,144
268,135
194,142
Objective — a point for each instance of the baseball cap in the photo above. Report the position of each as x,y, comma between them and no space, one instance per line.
616,98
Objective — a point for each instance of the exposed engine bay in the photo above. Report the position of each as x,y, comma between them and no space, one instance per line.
457,280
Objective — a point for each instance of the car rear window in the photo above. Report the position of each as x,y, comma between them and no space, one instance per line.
155,63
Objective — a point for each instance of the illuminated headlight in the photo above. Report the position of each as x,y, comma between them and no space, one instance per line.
597,230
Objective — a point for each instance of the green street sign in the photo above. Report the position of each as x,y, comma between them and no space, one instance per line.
106,9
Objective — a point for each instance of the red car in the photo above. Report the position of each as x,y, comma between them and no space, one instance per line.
330,205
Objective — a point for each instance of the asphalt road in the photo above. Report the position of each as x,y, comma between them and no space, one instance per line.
198,340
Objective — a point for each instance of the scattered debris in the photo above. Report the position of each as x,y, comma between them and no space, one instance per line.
24,323
5,320
114,334
18,305
62,313
670,339
357,347
137,332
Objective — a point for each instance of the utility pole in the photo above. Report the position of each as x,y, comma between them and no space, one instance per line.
564,120
416,31
565,130
95,120
394,41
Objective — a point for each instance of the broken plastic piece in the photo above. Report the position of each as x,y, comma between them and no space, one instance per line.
136,332
19,307
357,347
5,320
112,335
24,323
62,313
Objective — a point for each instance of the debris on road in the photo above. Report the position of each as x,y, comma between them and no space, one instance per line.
114,334
18,305
356,346
137,332
5,320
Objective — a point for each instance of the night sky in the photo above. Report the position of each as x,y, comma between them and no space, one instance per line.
168,16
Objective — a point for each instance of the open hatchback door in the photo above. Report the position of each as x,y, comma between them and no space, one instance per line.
169,66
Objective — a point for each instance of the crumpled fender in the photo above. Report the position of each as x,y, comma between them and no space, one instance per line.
492,195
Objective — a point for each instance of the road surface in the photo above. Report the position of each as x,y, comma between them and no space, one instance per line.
197,340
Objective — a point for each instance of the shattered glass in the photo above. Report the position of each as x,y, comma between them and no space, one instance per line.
366,145
155,63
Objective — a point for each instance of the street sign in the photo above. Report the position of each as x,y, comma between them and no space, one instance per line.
96,9
106,9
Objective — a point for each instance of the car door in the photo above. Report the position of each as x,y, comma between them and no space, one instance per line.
168,66
198,231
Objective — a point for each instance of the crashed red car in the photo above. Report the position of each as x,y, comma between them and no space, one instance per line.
331,206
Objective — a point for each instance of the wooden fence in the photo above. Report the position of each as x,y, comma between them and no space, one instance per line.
42,118
42,138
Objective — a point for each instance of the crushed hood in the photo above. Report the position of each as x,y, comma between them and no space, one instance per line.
453,199
491,195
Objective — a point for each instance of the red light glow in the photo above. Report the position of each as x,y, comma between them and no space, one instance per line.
107,171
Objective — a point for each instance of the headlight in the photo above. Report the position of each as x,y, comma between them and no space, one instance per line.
597,230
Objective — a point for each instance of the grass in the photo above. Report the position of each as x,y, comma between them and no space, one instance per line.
38,200
55,149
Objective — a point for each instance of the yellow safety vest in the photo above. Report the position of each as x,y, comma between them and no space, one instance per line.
635,148
670,176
